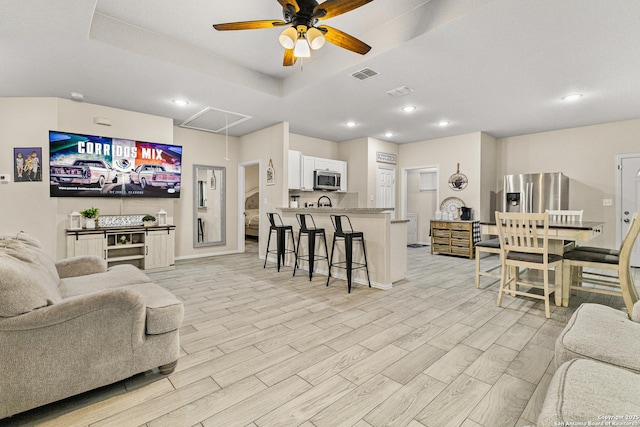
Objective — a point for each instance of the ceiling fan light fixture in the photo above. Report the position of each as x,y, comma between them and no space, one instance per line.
288,38
316,38
302,50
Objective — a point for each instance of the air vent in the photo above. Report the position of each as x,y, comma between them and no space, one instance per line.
400,91
364,74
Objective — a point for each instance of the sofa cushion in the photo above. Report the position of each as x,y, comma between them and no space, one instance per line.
600,333
28,277
583,391
164,311
115,277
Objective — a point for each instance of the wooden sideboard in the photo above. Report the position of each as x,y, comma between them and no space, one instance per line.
147,248
453,238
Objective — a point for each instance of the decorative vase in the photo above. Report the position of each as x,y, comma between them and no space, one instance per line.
90,223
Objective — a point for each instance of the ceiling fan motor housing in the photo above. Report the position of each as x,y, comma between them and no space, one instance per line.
304,16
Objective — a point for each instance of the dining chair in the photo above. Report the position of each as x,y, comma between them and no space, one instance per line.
491,247
524,243
565,215
617,280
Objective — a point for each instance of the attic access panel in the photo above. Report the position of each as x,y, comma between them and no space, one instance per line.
214,120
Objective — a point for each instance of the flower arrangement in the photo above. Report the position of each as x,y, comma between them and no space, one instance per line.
123,239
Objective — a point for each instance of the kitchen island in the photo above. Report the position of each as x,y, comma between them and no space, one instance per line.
385,240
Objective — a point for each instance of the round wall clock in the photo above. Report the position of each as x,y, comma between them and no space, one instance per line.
458,181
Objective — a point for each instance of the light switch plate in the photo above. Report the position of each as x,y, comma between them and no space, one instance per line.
4,178
607,202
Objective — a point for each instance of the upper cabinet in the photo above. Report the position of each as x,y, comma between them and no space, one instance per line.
301,169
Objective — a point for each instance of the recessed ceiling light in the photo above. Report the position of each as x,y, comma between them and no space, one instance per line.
388,134
351,124
572,97
409,109
181,102
443,123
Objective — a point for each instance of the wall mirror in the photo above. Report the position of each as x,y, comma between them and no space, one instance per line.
209,210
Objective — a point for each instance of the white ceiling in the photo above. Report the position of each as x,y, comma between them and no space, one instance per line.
498,66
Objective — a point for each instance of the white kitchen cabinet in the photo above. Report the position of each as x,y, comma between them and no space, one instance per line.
301,169
308,163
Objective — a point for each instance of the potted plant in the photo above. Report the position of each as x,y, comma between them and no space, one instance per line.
149,220
90,215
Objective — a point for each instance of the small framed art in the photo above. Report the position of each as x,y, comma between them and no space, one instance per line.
27,164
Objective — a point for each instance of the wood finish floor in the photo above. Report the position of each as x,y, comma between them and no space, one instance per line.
262,348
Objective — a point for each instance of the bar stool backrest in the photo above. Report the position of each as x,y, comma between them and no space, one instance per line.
336,220
302,220
274,219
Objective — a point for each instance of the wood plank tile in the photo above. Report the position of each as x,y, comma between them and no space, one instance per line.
453,363
534,406
452,336
335,364
362,371
400,408
504,403
354,337
154,408
253,366
325,336
531,363
259,404
492,364
386,336
357,403
292,365
484,336
418,337
211,404
308,404
452,406
411,365
252,337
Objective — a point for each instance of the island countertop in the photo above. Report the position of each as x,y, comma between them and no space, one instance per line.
385,240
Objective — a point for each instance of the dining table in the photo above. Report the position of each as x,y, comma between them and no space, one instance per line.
562,237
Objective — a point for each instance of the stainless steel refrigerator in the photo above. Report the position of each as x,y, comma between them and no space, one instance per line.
536,192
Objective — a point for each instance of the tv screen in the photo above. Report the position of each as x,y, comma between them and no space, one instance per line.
97,166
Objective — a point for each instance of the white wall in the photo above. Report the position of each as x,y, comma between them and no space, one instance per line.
267,144
446,153
313,146
586,155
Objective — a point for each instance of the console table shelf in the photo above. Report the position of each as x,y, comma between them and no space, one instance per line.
147,248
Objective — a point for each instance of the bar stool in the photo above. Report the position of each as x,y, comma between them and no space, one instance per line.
311,232
278,226
349,236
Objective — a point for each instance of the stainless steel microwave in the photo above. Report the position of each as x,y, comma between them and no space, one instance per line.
326,180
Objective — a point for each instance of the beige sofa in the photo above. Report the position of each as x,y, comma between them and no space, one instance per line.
597,379
71,326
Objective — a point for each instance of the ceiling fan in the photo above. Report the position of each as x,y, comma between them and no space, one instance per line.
302,34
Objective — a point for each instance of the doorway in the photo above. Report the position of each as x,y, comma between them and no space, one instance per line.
385,188
420,196
628,197
248,205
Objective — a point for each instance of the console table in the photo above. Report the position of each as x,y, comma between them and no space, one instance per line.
148,248
454,237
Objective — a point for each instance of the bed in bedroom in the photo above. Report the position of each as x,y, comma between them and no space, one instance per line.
252,213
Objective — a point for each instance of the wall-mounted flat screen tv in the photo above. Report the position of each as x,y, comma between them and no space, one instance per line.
97,166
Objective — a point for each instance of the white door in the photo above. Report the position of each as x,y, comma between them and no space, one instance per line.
630,199
385,183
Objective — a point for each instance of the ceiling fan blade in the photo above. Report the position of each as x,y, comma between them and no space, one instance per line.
293,3
331,8
249,25
289,59
344,40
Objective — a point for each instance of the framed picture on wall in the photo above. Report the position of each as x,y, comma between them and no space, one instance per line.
27,164
271,174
